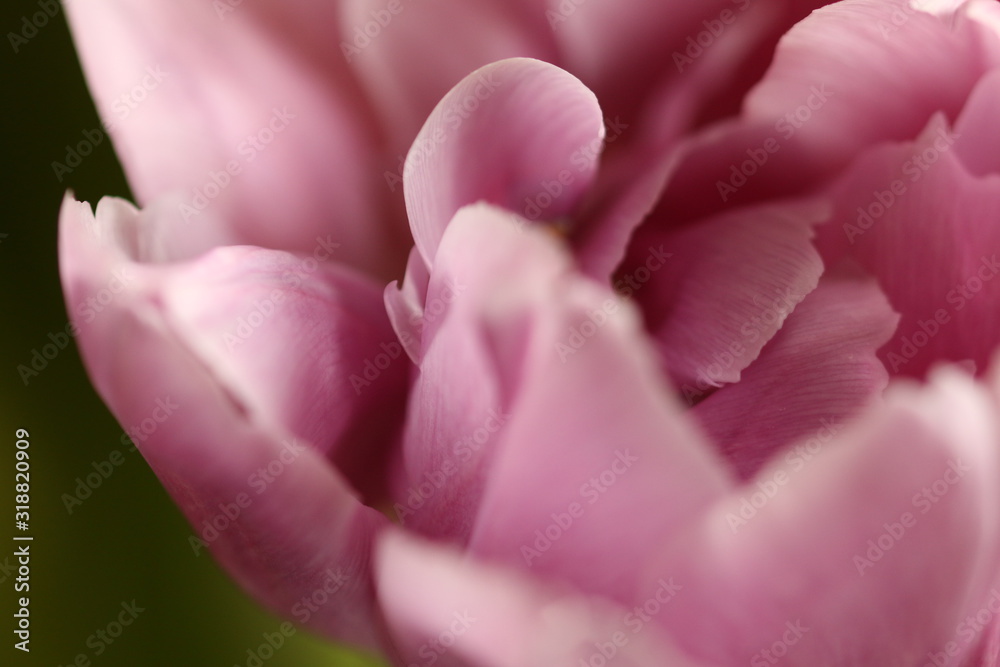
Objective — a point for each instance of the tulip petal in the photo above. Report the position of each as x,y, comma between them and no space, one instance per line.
408,55
726,289
905,500
270,506
610,44
976,141
520,134
404,304
914,217
817,372
237,120
851,75
501,618
555,397
457,403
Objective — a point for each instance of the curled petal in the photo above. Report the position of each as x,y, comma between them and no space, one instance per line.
520,134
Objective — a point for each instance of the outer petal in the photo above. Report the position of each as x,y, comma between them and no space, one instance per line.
869,550
239,117
283,533
819,370
727,287
521,134
499,618
914,217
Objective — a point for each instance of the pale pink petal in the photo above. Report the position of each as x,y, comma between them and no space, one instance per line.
726,287
815,375
275,513
465,612
520,134
867,550
235,116
518,391
405,304
458,404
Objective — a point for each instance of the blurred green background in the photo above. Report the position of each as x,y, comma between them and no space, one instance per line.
126,541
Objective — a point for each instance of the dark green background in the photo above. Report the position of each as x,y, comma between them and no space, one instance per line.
127,541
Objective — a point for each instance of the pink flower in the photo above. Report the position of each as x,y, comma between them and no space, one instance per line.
639,397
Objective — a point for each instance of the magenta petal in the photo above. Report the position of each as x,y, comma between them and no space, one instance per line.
725,288
816,373
284,533
868,548
520,134
240,119
501,618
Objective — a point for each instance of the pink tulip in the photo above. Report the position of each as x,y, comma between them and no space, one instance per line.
639,398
